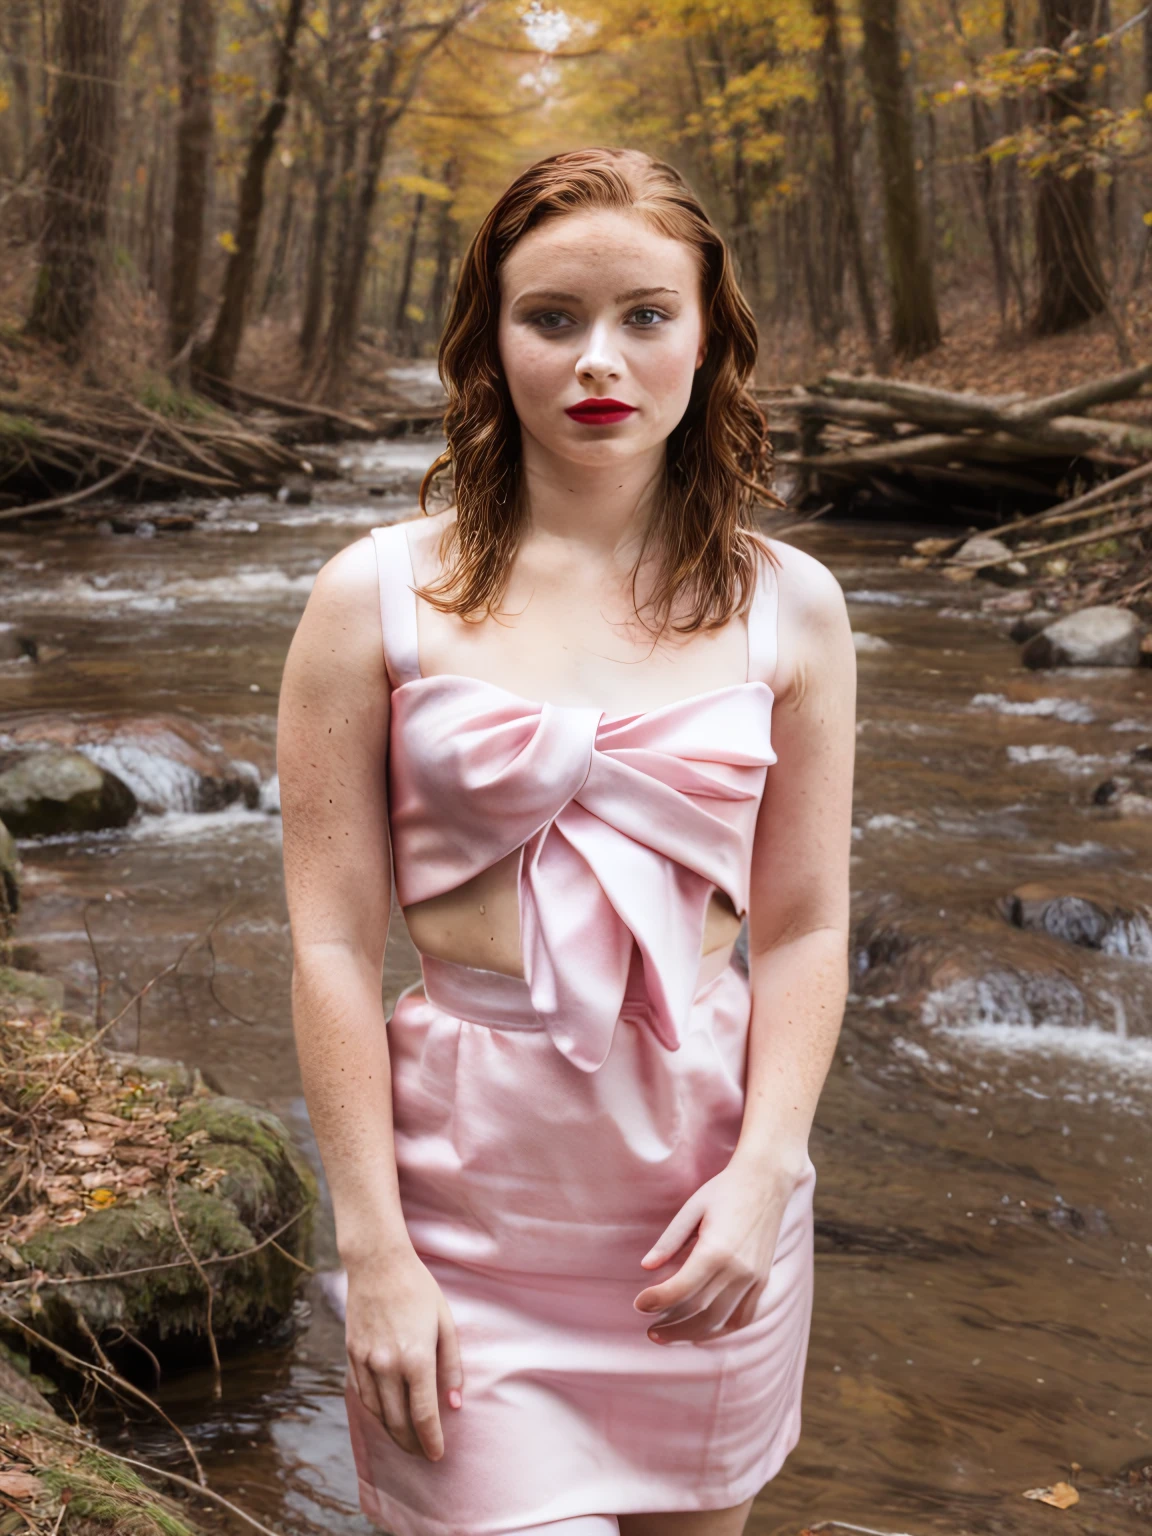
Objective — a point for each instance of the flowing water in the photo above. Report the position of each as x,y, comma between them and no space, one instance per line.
983,1317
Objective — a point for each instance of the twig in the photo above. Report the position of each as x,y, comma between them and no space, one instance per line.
99,1034
304,408
217,1382
309,1269
201,1490
74,496
11,1503
1093,536
862,1530
120,1381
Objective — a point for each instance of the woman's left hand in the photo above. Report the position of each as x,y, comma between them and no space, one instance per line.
735,1218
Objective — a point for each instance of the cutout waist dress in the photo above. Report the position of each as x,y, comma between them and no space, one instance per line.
625,824
548,1127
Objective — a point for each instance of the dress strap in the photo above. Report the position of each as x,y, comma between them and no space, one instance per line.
763,621
397,603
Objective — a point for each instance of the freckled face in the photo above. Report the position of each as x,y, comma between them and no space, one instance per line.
594,307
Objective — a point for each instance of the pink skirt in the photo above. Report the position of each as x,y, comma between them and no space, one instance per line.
532,1190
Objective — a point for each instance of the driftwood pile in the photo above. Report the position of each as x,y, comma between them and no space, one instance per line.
912,445
55,453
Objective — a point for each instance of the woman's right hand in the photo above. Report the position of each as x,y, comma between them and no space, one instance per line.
402,1349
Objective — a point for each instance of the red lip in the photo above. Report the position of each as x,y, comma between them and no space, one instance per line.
599,410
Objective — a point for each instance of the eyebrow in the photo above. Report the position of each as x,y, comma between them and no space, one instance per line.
574,298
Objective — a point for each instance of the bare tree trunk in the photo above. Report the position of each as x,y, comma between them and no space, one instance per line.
275,278
915,323
1071,280
218,360
847,214
401,328
391,90
313,316
17,46
81,142
196,56
445,251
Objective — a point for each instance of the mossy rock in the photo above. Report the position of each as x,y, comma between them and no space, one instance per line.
266,1183
11,873
49,791
103,1496
31,988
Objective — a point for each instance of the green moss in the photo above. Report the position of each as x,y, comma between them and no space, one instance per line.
19,427
266,1183
159,394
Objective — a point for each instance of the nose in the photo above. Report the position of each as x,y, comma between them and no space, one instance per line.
599,360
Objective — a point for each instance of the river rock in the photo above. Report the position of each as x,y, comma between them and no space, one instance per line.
981,551
1019,601
168,762
1080,917
1101,636
11,873
13,645
1124,797
48,791
297,491
1031,623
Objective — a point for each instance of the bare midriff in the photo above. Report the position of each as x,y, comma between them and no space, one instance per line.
478,924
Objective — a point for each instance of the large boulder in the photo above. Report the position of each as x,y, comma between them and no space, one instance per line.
168,762
48,791
1101,636
139,1161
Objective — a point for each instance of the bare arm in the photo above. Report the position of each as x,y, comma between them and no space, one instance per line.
332,741
798,965
798,920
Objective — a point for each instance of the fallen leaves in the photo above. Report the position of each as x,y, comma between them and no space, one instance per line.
1060,1495
101,1138
20,1485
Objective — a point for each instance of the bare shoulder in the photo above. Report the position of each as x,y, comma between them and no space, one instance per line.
815,635
337,647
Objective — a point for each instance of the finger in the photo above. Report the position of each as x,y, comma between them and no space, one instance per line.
424,1408
697,1269
675,1234
394,1402
700,1299
366,1388
705,1324
449,1366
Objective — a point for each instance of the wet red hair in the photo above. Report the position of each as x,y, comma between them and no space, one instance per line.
719,456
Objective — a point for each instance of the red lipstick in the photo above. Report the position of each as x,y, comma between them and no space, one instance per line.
599,411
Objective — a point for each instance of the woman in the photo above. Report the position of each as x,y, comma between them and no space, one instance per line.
571,1184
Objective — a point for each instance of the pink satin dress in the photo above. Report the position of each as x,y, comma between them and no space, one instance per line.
548,1128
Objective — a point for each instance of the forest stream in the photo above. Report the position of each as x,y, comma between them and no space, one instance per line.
984,1240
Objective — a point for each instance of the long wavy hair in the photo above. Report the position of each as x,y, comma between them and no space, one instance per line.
718,458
